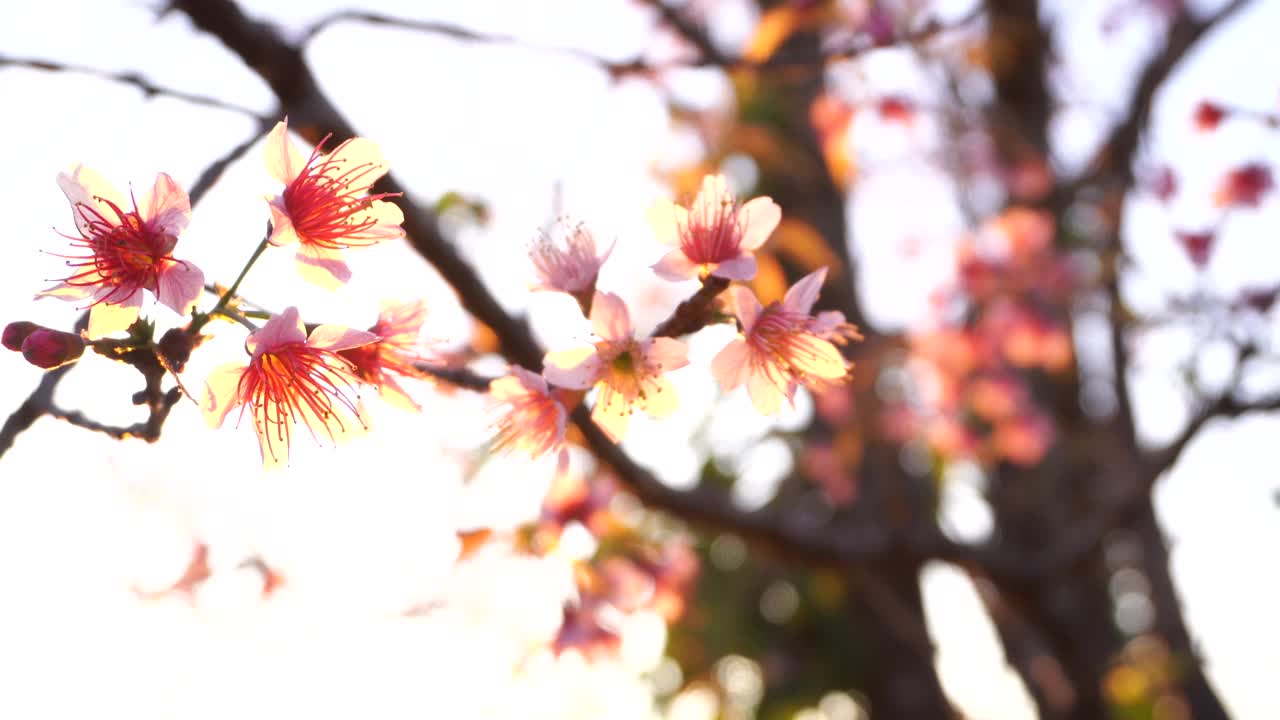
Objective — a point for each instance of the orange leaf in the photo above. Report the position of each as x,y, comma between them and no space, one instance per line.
774,28
770,283
803,244
483,339
472,540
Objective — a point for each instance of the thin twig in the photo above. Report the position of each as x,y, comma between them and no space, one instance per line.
148,88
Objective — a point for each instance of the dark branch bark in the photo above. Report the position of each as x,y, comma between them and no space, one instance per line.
283,67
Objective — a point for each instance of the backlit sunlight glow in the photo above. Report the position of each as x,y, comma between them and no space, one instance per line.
363,506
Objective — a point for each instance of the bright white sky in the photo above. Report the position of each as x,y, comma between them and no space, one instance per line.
510,126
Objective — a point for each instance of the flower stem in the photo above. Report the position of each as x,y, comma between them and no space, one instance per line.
220,308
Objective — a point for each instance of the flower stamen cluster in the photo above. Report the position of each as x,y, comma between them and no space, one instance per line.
291,378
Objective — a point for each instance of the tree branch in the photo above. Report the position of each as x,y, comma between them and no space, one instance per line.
1115,159
313,115
148,88
467,35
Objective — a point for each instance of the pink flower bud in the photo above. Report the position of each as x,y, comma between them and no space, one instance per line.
1244,186
16,332
51,348
1209,115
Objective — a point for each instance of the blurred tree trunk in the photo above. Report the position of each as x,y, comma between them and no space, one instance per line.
902,683
1074,608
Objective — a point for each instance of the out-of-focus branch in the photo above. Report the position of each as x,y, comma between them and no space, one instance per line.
148,429
458,377
211,174
1114,166
467,35
690,31
148,88
1115,159
283,67
33,408
708,54
692,314
1225,406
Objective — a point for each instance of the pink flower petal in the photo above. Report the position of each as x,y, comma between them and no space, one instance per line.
506,388
732,366
358,154
529,380
675,266
713,194
283,160
338,426
612,421
827,322
759,217
394,395
86,187
766,394
742,267
665,354
180,286
280,330
337,337
660,397
389,217
221,393
105,319
817,357
745,306
63,291
321,266
166,206
666,218
275,454
577,368
282,231
801,296
609,317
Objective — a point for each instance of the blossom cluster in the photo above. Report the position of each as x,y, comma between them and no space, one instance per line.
310,376
779,347
124,252
974,369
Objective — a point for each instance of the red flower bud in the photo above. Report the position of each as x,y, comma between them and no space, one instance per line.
16,332
1209,115
1244,186
1198,245
51,348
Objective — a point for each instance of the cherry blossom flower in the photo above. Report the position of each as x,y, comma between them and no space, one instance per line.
325,207
1209,115
291,378
713,236
568,264
125,248
530,418
1244,186
1162,182
393,354
628,373
1198,246
782,346
897,108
